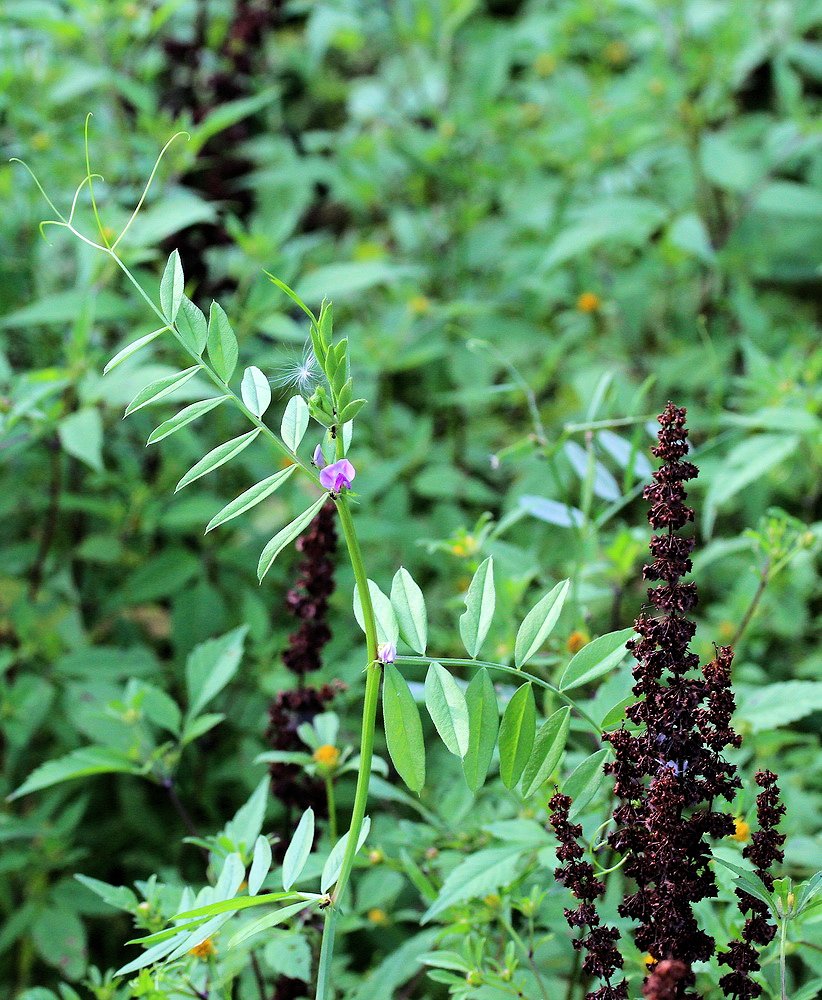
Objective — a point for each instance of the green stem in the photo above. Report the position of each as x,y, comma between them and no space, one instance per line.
503,668
527,953
332,807
783,941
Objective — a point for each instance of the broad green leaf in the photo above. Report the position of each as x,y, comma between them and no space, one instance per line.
295,422
773,705
159,389
539,623
516,735
132,348
210,666
585,780
192,326
552,511
409,606
595,659
118,896
79,763
448,709
483,725
749,882
185,416
479,608
403,729
171,286
222,344
388,629
216,457
298,850
251,497
286,535
256,391
548,749
260,864
269,920
334,862
81,435
481,873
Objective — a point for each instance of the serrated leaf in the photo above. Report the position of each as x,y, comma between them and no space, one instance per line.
595,659
192,326
333,865
160,388
295,422
585,780
216,457
483,725
539,623
245,501
409,606
299,849
222,344
171,286
255,391
479,608
403,729
260,864
448,709
548,749
185,416
517,734
132,348
286,535
388,629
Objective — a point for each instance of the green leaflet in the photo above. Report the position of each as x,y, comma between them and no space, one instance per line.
171,286
483,725
403,729
585,780
260,864
448,709
132,348
539,623
222,344
250,498
409,606
548,748
595,659
295,422
479,608
387,626
298,850
516,735
286,535
216,457
192,327
159,389
255,391
185,416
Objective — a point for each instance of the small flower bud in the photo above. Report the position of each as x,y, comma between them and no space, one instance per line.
386,652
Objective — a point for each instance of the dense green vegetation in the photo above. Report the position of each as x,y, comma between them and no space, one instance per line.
537,221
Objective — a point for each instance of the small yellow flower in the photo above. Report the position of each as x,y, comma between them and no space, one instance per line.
419,305
588,302
205,949
545,64
377,916
576,640
648,959
492,901
326,755
742,833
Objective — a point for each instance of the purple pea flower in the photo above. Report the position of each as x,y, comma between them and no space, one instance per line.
319,458
338,475
386,652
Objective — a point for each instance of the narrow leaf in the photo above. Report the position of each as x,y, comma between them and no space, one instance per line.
256,391
159,389
298,850
260,865
584,781
295,422
595,659
268,920
448,709
185,416
483,725
132,348
409,606
538,623
216,457
222,344
387,627
548,748
251,497
403,729
516,735
286,535
479,608
192,327
334,862
171,286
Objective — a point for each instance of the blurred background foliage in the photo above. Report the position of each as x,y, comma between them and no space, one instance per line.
532,217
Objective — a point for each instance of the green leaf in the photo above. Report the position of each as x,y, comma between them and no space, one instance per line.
750,883
775,705
479,608
448,709
351,410
185,416
480,874
216,457
245,501
388,629
118,896
595,659
260,864
222,344
483,725
192,327
285,536
403,729
256,391
171,286
81,435
210,666
132,348
539,623
516,735
298,850
234,905
79,763
409,606
269,920
159,389
548,749
585,780
334,862
295,422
